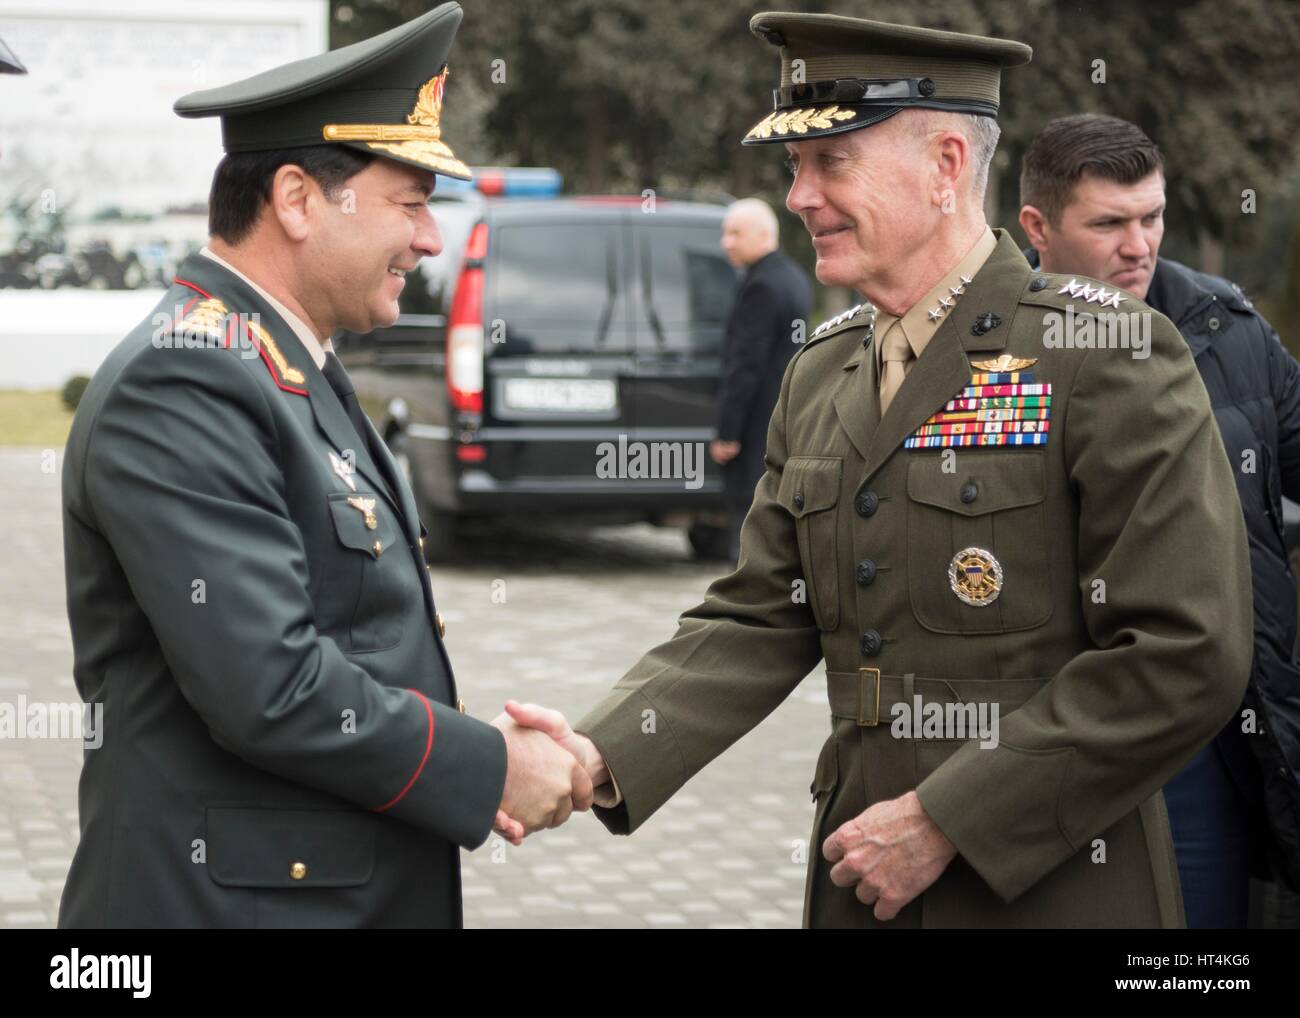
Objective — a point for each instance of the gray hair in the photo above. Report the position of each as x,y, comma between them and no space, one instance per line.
759,212
981,134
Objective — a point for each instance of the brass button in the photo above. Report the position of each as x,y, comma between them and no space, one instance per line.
378,547
460,706
442,626
298,870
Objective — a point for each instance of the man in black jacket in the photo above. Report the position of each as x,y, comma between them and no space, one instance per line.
1093,195
766,326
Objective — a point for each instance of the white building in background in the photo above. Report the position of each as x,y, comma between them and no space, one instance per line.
91,128
93,117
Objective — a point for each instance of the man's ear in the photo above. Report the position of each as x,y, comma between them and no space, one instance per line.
291,190
952,158
1034,223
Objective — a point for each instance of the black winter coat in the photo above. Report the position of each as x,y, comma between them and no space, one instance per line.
1254,387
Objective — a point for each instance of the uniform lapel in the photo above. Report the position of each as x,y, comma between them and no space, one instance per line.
406,498
857,399
944,368
334,423
937,375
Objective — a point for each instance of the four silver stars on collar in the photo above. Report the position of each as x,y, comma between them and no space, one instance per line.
938,311
1092,294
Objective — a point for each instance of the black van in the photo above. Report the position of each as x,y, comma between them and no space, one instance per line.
560,358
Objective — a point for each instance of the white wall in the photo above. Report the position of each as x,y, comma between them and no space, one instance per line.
47,336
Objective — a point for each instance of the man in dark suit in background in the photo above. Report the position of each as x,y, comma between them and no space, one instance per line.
767,323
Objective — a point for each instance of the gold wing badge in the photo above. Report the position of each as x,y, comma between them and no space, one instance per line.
1004,363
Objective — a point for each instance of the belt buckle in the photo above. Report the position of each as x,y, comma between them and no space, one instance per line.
862,696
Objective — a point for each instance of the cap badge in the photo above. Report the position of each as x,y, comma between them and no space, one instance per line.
798,121
419,139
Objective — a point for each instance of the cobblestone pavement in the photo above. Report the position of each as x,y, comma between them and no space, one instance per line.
552,617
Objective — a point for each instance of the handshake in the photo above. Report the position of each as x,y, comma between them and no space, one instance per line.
550,771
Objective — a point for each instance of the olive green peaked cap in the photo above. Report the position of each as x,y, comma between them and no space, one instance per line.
381,95
839,74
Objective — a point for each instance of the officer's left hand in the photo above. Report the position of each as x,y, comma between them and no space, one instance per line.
893,852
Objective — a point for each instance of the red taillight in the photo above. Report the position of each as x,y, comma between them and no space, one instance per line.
471,453
465,328
476,248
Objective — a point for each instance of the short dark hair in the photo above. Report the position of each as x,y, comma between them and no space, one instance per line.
1072,147
241,184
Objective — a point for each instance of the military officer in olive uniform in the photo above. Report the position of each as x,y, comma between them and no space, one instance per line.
249,604
962,508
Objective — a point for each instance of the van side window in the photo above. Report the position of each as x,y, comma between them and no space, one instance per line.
692,287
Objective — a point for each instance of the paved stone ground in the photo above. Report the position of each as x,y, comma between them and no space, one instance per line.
578,609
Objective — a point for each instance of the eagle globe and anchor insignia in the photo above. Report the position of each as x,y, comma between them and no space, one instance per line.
975,577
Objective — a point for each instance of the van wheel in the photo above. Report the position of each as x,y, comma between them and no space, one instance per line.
710,544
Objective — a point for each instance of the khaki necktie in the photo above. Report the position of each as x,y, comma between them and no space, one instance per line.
895,353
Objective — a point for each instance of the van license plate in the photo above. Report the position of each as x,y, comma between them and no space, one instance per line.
572,395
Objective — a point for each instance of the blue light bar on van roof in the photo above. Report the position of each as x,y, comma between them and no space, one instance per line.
508,182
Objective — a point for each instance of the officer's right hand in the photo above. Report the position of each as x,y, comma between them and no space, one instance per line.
544,784
723,452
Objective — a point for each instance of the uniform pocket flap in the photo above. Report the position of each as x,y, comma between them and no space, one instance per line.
360,520
984,482
810,484
266,847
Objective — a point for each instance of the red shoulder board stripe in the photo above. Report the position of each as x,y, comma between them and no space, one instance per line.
284,374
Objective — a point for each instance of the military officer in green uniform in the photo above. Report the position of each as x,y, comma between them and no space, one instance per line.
972,508
249,604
